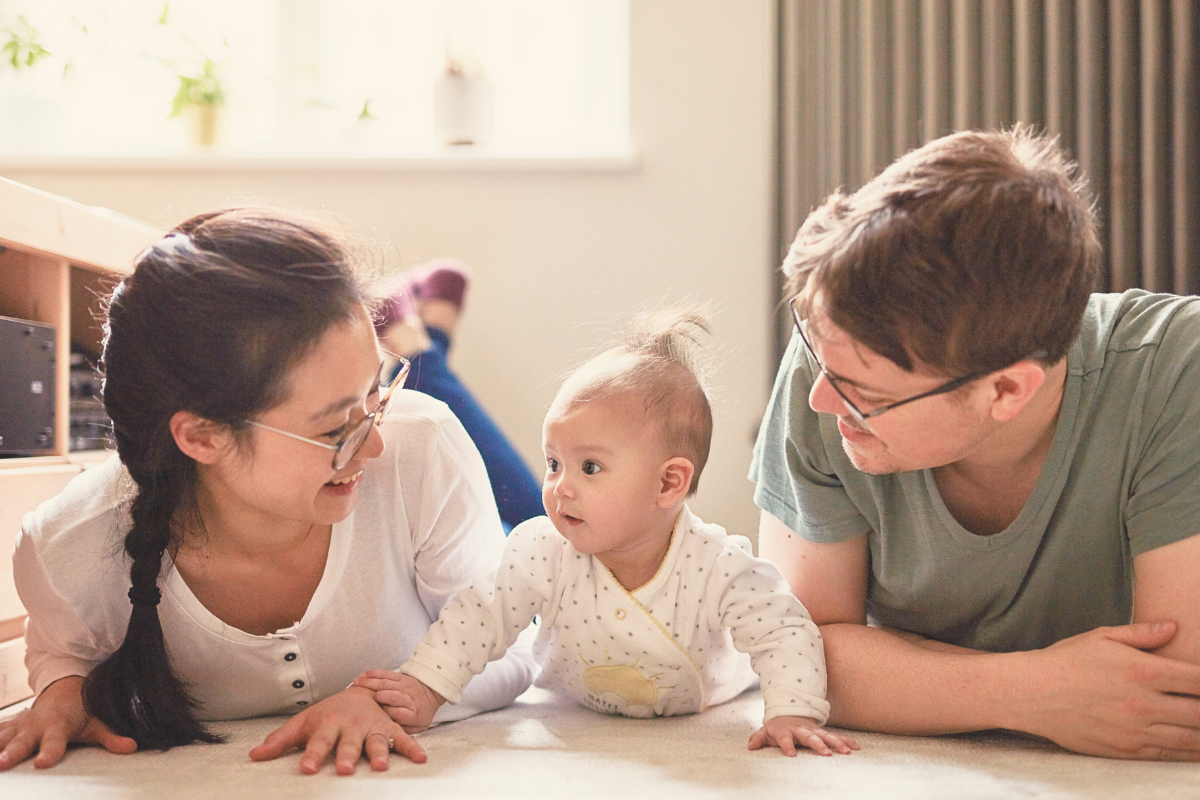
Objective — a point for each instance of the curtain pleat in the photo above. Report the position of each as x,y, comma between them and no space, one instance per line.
863,81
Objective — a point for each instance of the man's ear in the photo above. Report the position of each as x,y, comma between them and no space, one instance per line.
1013,387
676,481
201,439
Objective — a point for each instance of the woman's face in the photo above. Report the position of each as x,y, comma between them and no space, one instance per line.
273,478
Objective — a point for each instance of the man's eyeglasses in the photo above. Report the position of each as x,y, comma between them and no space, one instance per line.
348,446
862,416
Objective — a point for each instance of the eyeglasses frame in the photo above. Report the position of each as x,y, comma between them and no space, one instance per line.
376,416
858,414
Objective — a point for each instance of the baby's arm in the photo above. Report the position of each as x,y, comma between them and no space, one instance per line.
768,622
476,626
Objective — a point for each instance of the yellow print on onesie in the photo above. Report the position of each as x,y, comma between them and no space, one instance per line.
622,680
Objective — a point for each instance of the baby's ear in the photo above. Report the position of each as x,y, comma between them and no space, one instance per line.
676,481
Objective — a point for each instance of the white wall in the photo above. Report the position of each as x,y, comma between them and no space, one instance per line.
562,258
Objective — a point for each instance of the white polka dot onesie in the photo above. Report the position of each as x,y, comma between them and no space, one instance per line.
669,647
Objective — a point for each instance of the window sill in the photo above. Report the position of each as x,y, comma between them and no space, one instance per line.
465,159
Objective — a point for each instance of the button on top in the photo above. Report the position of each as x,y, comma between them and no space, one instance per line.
620,613
290,657
297,684
301,702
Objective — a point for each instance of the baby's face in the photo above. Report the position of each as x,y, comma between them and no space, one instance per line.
604,472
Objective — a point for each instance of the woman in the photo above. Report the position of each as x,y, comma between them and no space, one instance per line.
279,535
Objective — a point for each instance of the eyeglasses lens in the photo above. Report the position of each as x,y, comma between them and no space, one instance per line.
353,442
859,416
358,436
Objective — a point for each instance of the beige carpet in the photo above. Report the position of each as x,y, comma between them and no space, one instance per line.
545,748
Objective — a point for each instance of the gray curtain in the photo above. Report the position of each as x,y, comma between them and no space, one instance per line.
862,81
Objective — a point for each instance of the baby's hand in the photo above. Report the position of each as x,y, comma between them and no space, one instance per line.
787,732
409,702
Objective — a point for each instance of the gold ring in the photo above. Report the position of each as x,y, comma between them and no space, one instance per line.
391,742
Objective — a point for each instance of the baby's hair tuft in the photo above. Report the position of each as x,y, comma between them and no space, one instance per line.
658,359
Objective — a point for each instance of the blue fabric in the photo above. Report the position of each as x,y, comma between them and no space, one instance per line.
518,493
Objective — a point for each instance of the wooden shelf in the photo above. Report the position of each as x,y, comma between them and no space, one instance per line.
59,259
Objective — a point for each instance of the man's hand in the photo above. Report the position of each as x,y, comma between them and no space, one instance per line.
350,721
407,701
56,720
1101,694
787,732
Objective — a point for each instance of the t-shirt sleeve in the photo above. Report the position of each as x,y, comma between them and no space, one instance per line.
457,536
58,643
1164,502
458,541
795,478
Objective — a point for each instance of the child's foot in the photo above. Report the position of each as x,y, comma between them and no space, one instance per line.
407,338
439,288
397,323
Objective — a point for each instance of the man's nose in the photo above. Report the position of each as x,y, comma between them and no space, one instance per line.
824,399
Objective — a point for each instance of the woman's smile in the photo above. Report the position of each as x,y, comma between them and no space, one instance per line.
344,486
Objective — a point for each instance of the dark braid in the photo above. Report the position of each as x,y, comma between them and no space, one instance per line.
135,691
211,321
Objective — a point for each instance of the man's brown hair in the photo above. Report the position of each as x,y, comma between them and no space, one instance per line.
968,254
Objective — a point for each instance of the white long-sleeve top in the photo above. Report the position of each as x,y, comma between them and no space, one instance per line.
425,525
669,647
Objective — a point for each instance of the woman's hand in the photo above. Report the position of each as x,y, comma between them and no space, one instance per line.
56,719
350,721
787,732
409,702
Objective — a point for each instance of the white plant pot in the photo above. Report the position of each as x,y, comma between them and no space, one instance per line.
463,109
29,124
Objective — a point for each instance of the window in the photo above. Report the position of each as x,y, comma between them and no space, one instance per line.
315,77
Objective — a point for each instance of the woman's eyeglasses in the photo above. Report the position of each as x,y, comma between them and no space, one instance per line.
348,446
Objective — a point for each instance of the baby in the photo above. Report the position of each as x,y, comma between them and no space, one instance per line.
645,609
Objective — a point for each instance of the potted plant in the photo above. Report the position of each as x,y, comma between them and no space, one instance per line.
199,101
28,117
200,96
361,135
464,103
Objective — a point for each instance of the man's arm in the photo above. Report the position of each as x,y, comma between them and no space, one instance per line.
1166,587
1095,693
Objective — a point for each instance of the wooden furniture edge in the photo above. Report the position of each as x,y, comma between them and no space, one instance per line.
56,227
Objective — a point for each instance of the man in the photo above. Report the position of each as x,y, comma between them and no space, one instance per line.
981,480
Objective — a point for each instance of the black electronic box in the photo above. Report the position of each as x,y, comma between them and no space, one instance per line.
26,387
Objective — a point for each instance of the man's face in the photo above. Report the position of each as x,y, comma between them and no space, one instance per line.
927,433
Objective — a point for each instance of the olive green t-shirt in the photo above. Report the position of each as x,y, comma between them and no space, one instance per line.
1122,477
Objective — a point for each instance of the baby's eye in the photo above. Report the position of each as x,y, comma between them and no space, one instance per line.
590,468
551,465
